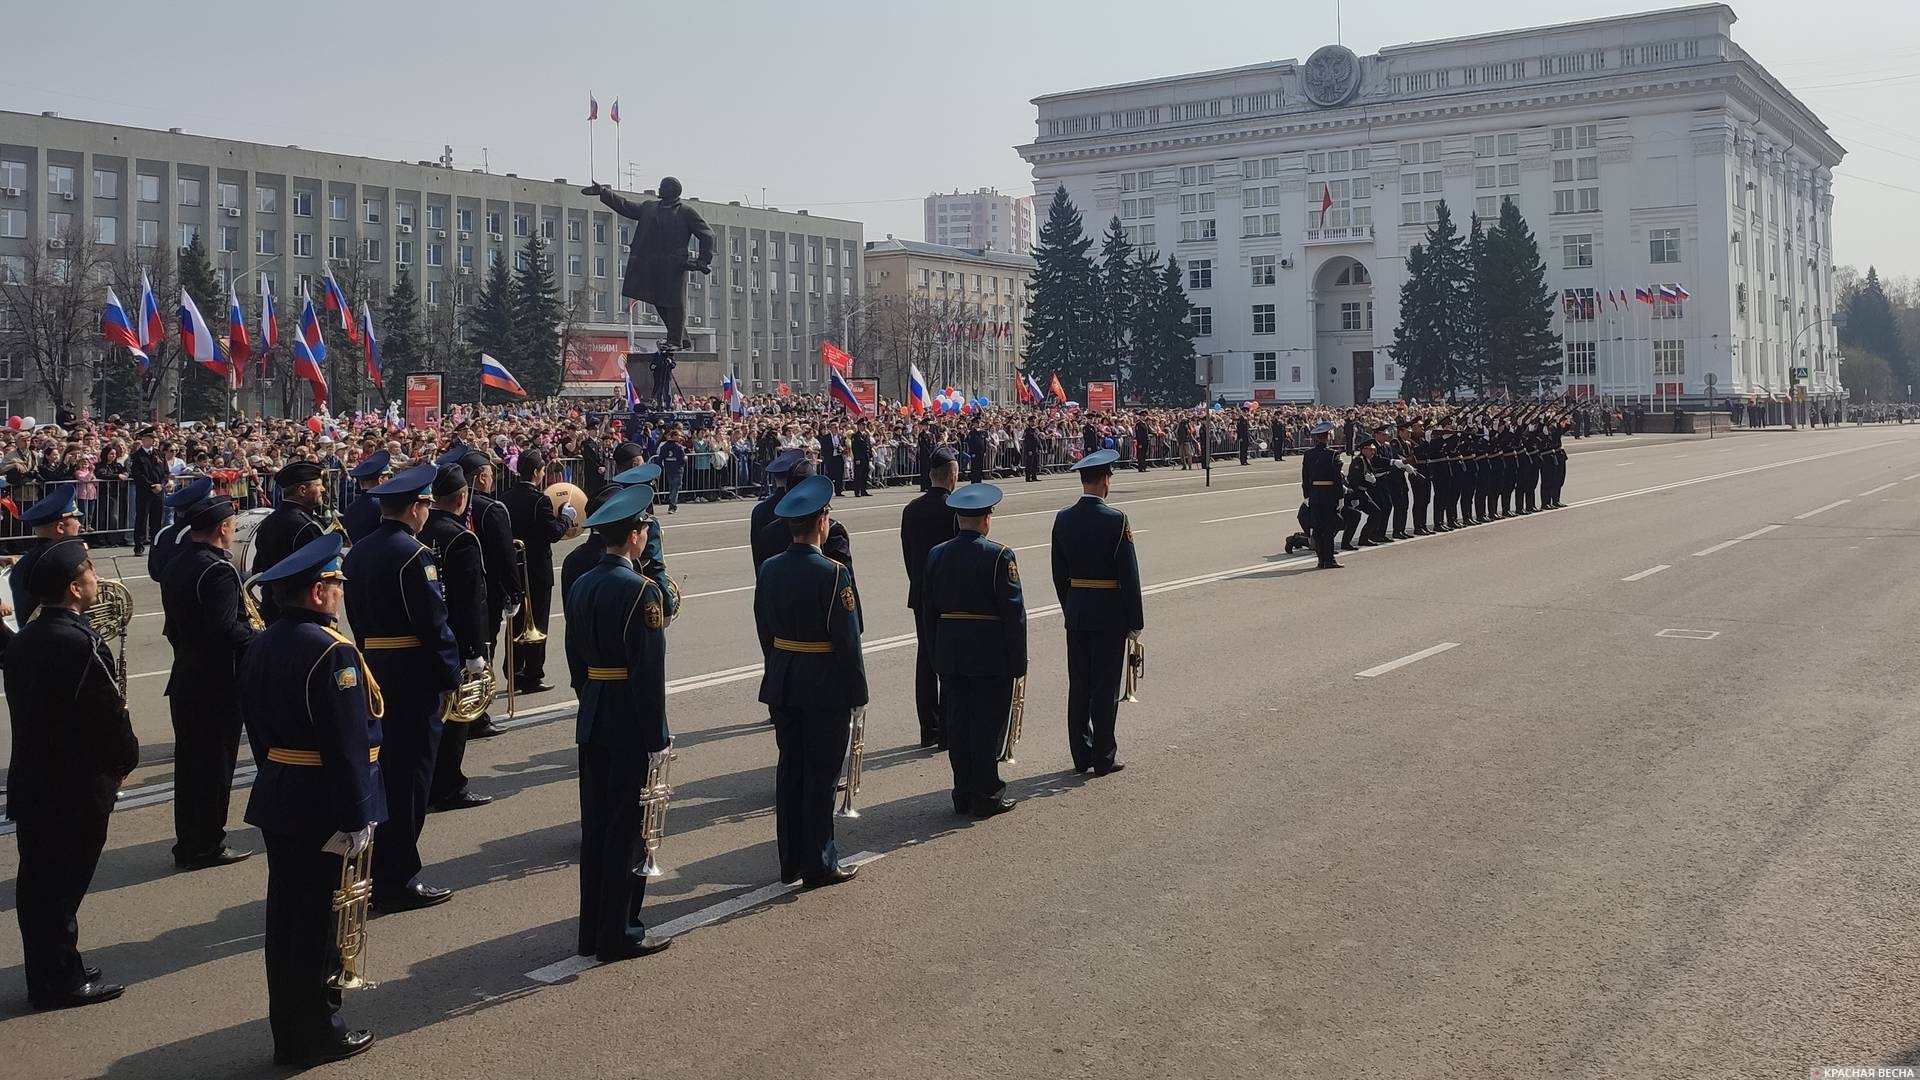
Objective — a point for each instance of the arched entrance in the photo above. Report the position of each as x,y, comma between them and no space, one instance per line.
1343,332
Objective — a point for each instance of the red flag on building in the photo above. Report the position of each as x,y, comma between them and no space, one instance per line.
1326,203
832,356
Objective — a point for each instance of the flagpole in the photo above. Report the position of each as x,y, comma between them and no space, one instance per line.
619,163
592,113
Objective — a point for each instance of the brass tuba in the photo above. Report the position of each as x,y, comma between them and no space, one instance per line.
856,759
110,615
1136,670
653,810
471,700
1015,717
350,902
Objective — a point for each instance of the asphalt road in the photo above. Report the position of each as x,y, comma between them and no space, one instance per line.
1639,807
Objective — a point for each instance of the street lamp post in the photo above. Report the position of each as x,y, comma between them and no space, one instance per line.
1839,321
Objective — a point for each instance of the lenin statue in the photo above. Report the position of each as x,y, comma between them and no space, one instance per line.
657,268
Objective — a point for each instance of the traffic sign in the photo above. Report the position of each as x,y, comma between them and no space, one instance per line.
1799,373
1712,380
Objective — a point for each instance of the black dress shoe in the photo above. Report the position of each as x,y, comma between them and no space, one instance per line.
221,856
355,1042
962,804
534,688
1403,536
832,877
986,808
1423,532
1366,543
483,728
631,948
1348,547
1106,770
1329,566
466,800
929,740
90,992
412,898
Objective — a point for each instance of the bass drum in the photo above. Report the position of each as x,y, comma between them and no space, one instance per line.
246,524
564,494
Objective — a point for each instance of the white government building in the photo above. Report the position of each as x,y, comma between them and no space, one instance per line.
1644,150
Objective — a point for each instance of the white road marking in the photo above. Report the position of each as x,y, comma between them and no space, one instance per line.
1647,573
1725,544
1821,509
1622,464
1915,476
1391,665
718,592
1875,491
1691,635
1244,517
574,965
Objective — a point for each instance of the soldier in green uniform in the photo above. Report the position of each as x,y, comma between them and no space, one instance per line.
971,599
1097,577
806,614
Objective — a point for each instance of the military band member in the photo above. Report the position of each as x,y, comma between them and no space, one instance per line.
167,541
971,599
206,623
54,518
362,515
313,712
487,517
539,528
399,615
814,676
463,580
1320,485
72,746
1096,574
616,660
293,524
765,535
926,523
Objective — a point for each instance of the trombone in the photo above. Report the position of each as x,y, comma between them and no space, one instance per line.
529,634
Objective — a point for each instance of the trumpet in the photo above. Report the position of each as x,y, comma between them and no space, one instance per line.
1136,670
653,811
110,615
470,701
856,759
350,902
1015,717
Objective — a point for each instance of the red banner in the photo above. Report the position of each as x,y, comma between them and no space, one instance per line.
867,393
596,358
1100,397
1263,395
423,401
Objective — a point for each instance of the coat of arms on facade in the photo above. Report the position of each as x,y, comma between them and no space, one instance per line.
1331,76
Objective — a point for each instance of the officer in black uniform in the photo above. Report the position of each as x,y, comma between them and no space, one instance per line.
206,623
362,515
972,604
617,665
399,615
1364,494
1030,450
293,524
313,712
54,518
923,444
539,528
806,614
487,517
463,580
147,476
926,523
1399,491
977,450
72,745
1414,443
862,458
168,540
763,536
1320,486
1096,574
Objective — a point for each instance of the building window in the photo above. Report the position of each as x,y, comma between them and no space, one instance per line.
189,191
1577,137
1576,200
1201,319
13,224
1263,318
1200,274
1136,181
106,230
373,210
229,196
466,256
13,174
547,227
1260,225
1354,315
1580,358
337,208
436,217
436,254
337,246
1663,245
145,188
229,238
266,200
519,224
1263,269
1203,229
370,249
266,241
433,292
1670,357
1576,251
146,233
599,266
464,218
189,233
106,185
59,180
1136,209
303,204
1140,235
493,222
302,245
576,265
1266,367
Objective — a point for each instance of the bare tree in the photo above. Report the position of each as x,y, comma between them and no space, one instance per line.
51,309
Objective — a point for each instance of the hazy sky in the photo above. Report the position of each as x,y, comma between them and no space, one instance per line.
850,108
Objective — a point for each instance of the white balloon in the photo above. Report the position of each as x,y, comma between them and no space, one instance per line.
26,421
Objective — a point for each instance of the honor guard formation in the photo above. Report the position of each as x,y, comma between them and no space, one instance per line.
358,737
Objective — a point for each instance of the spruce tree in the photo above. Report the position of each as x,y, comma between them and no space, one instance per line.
1523,352
1869,325
1120,296
1418,341
1062,321
1166,355
489,327
1471,366
204,395
1448,265
1144,281
536,323
402,350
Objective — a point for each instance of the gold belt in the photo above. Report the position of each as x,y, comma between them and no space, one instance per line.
1093,583
969,615
606,674
408,642
309,757
1322,483
788,645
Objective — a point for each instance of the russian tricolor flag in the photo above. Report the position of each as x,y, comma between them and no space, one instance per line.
373,346
495,374
239,349
153,329
197,339
1033,384
269,323
337,301
633,396
115,327
309,350
838,389
730,392
918,400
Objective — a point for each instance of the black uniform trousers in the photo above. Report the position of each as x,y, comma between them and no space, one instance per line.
926,685
530,661
410,740
57,859
1397,493
1031,459
301,947
449,761
1422,489
146,517
1325,517
812,744
206,745
978,707
1096,660
862,475
610,820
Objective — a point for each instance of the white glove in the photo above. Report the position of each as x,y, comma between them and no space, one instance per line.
512,610
347,845
477,664
569,512
656,757
1133,635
